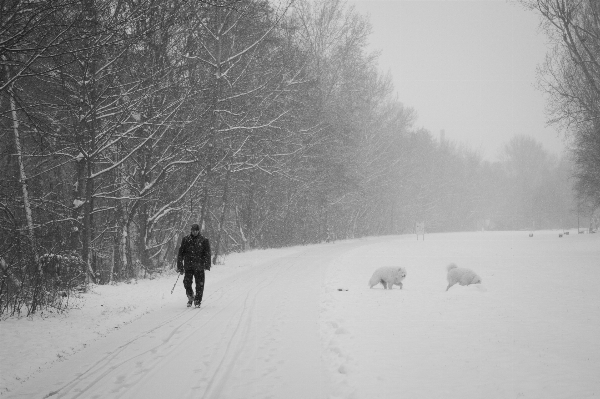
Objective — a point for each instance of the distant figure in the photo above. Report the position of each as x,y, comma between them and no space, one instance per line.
193,258
420,229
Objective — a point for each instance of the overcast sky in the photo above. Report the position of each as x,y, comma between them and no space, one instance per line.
467,67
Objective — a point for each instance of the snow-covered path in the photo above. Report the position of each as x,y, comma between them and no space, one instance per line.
304,324
256,335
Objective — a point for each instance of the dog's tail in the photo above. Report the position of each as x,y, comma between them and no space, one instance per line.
451,266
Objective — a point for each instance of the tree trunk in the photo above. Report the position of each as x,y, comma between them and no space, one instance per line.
23,176
239,221
7,272
214,119
204,207
75,234
89,99
115,256
247,216
222,218
142,237
87,224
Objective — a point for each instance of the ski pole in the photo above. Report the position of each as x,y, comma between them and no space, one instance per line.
172,289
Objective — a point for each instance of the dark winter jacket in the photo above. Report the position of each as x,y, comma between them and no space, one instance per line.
194,253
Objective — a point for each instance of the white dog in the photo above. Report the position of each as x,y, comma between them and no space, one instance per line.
461,276
388,276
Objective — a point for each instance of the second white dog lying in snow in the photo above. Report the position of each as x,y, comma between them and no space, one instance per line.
388,276
461,276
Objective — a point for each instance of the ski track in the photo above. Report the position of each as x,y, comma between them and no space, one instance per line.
267,321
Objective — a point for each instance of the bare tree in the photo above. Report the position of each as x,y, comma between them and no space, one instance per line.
571,78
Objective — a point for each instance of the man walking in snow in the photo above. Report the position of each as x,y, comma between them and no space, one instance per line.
193,258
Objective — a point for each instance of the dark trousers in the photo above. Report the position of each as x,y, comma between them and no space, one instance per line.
187,283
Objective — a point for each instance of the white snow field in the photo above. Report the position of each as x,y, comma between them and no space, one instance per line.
302,322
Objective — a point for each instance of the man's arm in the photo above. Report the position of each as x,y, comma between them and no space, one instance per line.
180,256
207,256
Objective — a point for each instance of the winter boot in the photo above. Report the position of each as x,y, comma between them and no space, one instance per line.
197,302
190,300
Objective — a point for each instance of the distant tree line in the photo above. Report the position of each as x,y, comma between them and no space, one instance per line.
125,121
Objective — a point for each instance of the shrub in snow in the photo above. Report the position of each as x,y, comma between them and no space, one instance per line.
461,276
388,276
67,264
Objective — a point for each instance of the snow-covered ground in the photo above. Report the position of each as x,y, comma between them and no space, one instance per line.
301,322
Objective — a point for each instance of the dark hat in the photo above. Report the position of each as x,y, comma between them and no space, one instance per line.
195,227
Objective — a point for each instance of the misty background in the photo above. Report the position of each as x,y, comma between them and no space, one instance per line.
270,124
469,68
